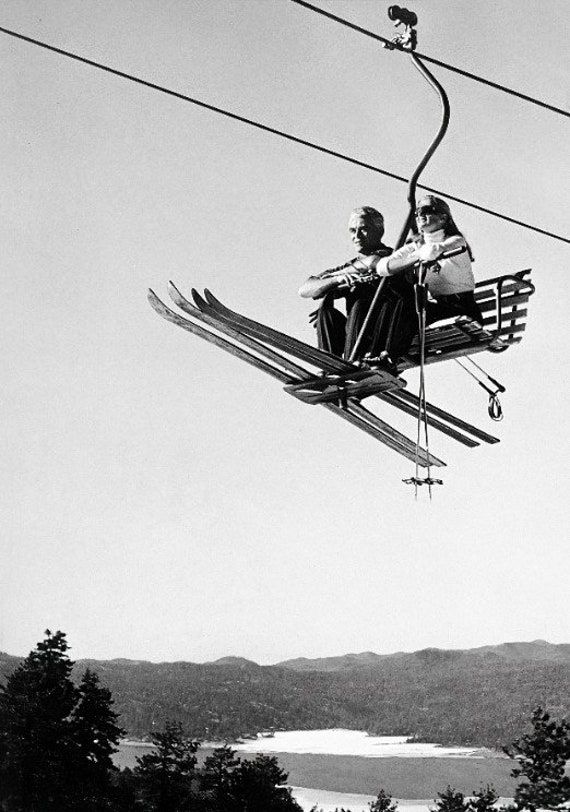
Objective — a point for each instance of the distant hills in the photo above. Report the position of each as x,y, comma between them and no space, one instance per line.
535,650
365,658
238,661
479,697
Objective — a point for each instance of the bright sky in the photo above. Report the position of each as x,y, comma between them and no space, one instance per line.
161,500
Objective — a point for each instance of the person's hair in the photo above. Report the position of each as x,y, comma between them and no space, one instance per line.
371,214
450,228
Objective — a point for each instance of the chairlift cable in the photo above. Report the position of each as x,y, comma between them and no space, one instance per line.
431,59
266,128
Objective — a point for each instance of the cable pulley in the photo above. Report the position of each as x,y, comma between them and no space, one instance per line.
402,16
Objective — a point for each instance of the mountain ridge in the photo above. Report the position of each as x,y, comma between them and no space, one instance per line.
475,697
516,650
523,650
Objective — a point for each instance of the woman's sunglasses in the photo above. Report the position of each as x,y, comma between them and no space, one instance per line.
427,210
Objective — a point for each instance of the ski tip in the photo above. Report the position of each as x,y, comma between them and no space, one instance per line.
154,301
210,298
180,300
198,300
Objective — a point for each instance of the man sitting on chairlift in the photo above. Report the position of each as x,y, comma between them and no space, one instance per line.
394,323
355,282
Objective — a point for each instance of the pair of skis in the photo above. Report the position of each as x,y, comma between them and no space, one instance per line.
336,384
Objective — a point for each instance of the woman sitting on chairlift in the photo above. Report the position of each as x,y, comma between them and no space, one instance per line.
450,281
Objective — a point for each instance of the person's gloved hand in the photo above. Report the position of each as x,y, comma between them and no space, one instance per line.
428,252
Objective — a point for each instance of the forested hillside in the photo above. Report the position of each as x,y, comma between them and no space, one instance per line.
477,697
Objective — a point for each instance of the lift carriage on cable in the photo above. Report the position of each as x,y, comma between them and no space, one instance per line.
339,385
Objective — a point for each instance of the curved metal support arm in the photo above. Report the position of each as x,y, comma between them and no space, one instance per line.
445,112
430,78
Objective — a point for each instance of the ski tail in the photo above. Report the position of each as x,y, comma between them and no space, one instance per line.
435,412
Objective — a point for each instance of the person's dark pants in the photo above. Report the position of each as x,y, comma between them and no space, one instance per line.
445,307
394,323
330,324
338,334
457,304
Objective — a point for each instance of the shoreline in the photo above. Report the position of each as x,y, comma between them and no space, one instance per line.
338,741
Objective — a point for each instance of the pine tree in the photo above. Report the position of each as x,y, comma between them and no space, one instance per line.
383,803
229,784
451,800
96,735
125,791
166,774
542,755
55,739
216,777
35,707
95,722
258,786
483,800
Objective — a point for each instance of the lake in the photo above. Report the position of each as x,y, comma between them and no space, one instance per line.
336,768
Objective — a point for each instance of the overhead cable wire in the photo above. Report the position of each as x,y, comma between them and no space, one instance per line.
236,117
446,65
